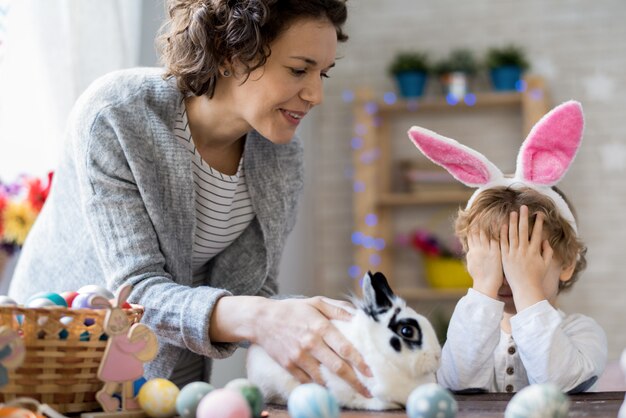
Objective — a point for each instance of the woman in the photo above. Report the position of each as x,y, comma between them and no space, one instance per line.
184,183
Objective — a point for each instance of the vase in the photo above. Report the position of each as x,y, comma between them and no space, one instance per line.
7,266
506,78
456,85
411,83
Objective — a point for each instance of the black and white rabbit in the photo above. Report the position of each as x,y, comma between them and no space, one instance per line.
399,346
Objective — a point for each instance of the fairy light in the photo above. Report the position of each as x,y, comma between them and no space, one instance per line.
354,272
390,97
375,259
371,219
356,143
347,96
470,99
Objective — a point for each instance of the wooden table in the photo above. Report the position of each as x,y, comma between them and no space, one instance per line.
592,405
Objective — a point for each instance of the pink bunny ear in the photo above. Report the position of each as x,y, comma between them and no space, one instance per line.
466,165
551,145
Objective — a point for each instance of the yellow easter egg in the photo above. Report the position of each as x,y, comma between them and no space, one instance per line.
157,398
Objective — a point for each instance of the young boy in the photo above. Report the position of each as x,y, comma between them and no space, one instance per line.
522,249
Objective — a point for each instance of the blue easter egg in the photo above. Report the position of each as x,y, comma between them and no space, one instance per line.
541,400
137,384
431,401
311,400
190,396
57,299
98,290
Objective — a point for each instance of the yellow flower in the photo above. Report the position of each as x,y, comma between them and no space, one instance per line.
18,219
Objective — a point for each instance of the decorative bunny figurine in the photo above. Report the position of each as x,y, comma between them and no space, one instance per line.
128,347
12,353
543,159
399,345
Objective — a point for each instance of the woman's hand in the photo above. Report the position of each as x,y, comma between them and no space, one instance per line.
525,260
298,334
484,263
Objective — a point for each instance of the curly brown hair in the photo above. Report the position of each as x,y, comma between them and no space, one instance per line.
492,207
202,35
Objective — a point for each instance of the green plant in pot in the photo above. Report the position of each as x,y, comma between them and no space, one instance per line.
506,66
456,72
410,70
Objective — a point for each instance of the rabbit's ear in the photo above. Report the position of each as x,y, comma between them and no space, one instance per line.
465,164
123,292
99,302
376,291
551,145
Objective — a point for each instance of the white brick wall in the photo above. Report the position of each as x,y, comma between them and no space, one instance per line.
568,42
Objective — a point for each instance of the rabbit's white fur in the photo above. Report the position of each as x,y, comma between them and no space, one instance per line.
395,374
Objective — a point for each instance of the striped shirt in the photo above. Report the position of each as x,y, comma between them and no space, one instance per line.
223,205
223,210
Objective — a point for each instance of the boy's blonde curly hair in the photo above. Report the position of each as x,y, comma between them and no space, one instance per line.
492,207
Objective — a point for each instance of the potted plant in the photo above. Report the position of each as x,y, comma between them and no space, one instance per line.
456,71
506,65
410,70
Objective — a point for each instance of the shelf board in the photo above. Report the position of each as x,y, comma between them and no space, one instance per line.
437,103
431,197
426,294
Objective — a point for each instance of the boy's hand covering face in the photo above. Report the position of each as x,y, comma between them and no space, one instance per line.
525,261
484,262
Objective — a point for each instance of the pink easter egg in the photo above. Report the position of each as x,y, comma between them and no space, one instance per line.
69,296
223,403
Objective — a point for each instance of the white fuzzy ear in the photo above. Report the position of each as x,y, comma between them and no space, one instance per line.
552,144
466,165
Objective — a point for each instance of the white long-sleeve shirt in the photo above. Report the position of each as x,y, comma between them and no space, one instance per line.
545,345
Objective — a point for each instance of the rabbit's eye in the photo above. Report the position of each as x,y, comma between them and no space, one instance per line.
408,329
408,332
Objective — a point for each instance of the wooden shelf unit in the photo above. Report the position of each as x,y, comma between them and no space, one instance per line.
373,119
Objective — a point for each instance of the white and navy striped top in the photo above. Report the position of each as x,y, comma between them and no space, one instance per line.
223,205
223,211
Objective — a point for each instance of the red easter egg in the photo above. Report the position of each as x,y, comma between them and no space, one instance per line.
69,296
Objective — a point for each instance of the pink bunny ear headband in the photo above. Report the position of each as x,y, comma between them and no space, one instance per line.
543,159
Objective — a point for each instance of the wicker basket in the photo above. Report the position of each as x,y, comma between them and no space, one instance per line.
62,355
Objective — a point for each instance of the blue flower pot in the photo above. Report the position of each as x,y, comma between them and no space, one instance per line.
506,78
411,83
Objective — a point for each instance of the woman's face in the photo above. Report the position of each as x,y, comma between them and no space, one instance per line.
276,97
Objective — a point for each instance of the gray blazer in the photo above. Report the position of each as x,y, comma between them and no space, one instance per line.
121,209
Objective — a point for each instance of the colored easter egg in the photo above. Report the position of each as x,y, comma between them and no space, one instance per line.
99,290
157,397
40,303
69,296
16,412
543,400
137,384
81,301
312,401
54,297
223,403
251,392
189,398
7,301
431,401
